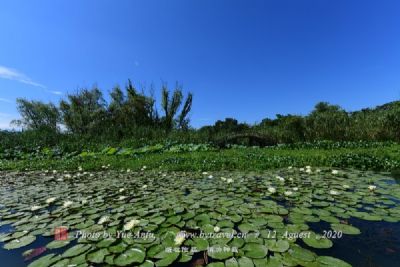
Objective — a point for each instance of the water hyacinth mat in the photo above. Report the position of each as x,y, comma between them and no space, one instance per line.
285,217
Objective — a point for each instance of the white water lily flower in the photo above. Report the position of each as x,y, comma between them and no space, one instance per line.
210,176
346,186
217,229
54,171
280,178
288,193
130,224
180,238
144,186
335,171
308,167
229,180
372,187
80,168
272,190
301,169
128,170
290,167
67,175
308,171
67,203
223,178
121,190
33,208
333,192
121,197
103,219
50,200
204,173
91,175
295,188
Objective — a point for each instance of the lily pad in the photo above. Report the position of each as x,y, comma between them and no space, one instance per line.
21,242
76,250
97,256
255,251
277,246
168,259
327,261
317,241
346,229
219,252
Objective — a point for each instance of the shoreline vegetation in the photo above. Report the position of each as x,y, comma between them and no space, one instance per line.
378,157
131,130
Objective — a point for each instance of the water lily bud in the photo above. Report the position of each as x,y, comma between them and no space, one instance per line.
372,187
50,200
272,190
130,224
288,193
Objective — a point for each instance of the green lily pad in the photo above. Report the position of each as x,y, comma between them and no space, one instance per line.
232,262
245,262
277,246
76,250
346,229
18,243
130,256
168,259
255,251
317,241
220,252
326,261
97,256
300,253
45,261
57,244
216,264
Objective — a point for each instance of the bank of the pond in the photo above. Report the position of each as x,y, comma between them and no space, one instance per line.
383,158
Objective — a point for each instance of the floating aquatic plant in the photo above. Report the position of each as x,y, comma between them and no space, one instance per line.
169,204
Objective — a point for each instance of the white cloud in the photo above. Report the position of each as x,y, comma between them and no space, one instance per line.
55,92
12,74
5,100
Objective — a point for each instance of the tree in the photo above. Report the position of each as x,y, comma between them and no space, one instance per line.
140,108
36,115
171,105
291,128
84,112
329,122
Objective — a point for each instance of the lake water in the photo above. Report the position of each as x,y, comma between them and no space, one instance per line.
377,245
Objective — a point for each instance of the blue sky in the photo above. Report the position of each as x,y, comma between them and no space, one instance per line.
242,59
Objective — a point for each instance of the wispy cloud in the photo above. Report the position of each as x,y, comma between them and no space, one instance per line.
55,92
5,100
12,74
